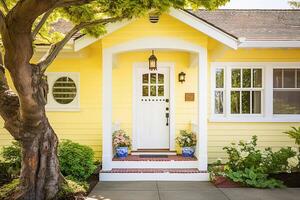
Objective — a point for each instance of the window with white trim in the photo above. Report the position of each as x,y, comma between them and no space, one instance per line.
238,91
63,91
246,90
219,91
286,91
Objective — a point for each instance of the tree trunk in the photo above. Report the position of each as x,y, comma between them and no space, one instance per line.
40,174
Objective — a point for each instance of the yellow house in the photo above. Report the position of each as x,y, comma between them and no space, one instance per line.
241,77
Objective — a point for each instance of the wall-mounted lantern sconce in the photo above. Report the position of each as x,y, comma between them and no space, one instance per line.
181,77
152,62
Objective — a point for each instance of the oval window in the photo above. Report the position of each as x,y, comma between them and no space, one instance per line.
64,90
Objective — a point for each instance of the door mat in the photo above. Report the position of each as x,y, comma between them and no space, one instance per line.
153,156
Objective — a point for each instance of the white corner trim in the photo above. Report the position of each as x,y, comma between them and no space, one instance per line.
269,44
204,27
86,40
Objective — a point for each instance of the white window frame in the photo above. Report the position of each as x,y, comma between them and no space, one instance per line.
215,89
267,93
52,104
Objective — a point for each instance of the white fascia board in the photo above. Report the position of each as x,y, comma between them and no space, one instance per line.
269,44
86,40
204,27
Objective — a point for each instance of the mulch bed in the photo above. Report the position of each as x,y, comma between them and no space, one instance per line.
224,182
291,180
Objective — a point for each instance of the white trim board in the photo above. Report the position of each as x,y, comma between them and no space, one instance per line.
269,44
154,177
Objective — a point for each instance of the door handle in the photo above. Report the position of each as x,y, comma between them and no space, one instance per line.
167,116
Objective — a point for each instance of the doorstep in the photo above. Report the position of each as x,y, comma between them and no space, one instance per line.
167,158
153,152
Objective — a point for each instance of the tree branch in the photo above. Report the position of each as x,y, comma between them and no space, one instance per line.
9,105
41,23
66,3
4,5
57,47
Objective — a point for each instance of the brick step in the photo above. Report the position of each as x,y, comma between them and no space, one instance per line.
167,158
153,170
153,152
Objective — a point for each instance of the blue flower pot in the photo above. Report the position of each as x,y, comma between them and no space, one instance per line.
188,151
122,152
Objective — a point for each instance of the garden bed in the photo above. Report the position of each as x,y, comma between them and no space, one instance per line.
224,182
289,179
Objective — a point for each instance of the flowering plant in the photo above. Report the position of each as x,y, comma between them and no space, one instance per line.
121,139
249,165
186,139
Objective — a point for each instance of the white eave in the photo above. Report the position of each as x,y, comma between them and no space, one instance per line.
84,41
269,44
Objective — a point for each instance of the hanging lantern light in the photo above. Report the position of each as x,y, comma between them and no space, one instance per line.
152,62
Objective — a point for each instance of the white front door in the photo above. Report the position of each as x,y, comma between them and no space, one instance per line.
153,106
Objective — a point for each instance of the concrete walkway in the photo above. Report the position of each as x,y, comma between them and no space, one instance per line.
184,191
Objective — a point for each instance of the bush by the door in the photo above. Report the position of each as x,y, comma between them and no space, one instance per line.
76,160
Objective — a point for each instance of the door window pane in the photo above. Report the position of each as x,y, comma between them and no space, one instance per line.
219,102
286,102
145,90
277,78
161,91
236,78
153,78
153,90
145,78
257,78
246,78
235,102
289,78
246,102
220,78
256,102
160,79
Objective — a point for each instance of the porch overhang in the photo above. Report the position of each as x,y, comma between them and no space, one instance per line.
158,44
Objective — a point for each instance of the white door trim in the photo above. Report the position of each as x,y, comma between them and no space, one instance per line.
171,66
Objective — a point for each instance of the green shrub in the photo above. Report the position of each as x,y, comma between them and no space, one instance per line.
71,189
254,178
76,161
7,190
295,134
12,158
251,166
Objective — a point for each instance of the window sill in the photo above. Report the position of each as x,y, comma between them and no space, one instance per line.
256,119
